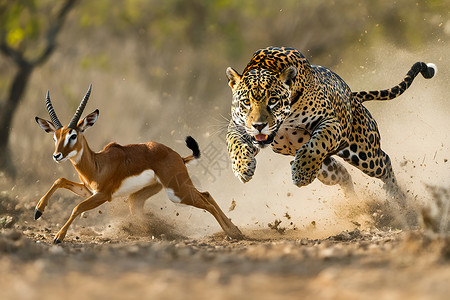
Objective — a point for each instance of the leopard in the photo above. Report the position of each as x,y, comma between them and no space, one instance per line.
308,112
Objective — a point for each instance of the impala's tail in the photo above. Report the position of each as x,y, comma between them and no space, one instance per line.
191,144
427,71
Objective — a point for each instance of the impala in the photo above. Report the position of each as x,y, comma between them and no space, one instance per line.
138,171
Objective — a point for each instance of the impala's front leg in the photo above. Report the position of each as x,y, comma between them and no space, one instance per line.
77,188
309,157
88,204
242,155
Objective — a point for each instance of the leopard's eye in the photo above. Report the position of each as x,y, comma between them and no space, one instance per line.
273,101
245,102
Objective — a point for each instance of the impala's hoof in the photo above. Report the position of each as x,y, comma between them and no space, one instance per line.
235,233
56,241
37,214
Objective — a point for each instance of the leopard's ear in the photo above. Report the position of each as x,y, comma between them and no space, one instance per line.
233,77
288,75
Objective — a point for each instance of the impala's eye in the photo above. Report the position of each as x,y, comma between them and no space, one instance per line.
73,137
245,102
273,101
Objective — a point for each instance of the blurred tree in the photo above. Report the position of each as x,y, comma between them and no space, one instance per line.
176,51
185,41
21,24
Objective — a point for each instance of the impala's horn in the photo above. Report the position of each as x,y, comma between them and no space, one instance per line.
52,113
76,117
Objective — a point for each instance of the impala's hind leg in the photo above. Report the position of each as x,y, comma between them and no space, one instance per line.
180,189
215,210
136,201
204,200
333,172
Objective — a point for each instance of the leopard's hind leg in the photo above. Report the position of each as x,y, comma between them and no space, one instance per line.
332,172
364,152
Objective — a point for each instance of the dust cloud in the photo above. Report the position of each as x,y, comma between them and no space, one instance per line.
309,241
414,131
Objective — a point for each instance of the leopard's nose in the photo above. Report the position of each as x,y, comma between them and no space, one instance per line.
259,126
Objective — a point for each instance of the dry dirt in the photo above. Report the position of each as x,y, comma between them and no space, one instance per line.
150,260
302,243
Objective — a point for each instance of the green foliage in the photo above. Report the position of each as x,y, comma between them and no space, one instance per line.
235,25
199,23
185,41
19,22
100,61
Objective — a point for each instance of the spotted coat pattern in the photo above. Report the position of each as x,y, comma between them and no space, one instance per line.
308,112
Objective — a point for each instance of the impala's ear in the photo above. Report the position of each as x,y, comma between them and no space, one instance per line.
288,75
88,121
233,77
46,125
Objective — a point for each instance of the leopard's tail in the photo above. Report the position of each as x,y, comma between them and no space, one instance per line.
427,71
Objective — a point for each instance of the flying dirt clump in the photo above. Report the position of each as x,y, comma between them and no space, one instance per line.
276,226
232,206
347,236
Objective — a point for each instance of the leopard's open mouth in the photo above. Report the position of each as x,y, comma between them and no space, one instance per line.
261,137
262,140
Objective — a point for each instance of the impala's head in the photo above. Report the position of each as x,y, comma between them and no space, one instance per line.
68,139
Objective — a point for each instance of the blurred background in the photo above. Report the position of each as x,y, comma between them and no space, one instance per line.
158,73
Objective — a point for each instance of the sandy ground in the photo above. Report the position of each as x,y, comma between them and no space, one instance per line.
140,260
325,247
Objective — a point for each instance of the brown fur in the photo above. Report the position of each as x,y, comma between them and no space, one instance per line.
102,173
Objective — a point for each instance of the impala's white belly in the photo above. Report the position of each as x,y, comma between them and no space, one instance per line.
135,183
172,197
170,193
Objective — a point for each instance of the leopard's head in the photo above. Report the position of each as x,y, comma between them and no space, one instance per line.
261,102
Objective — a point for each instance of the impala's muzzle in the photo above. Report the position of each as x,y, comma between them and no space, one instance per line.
57,157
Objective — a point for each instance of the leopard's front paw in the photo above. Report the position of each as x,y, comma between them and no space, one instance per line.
244,169
303,173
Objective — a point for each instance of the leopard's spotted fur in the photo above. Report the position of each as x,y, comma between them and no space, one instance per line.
308,112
